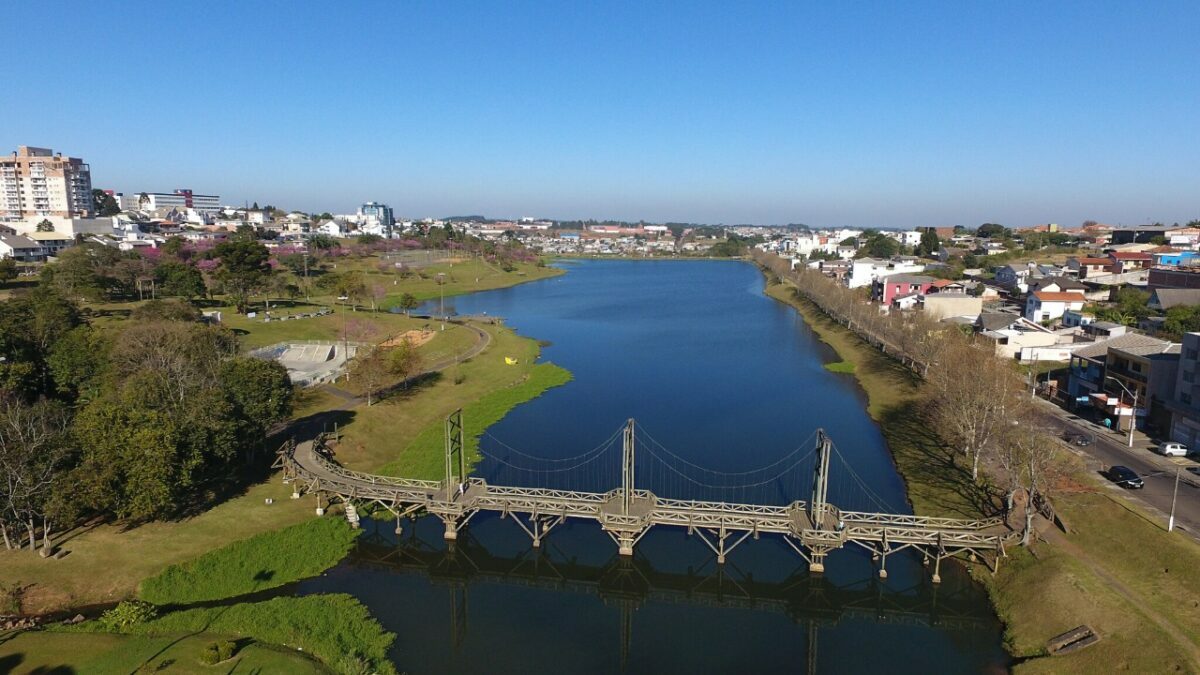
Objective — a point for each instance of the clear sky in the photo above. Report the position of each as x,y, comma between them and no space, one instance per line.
833,113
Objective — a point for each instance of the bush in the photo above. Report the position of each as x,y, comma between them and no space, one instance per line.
128,614
216,652
264,561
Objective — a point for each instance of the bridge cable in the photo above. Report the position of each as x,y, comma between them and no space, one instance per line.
799,448
539,471
604,445
688,478
870,494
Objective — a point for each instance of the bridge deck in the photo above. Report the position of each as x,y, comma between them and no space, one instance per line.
456,503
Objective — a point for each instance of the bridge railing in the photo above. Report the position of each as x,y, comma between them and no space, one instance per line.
904,520
320,451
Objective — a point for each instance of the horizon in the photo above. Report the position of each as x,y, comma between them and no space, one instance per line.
865,116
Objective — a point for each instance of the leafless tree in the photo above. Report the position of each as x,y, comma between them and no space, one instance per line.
33,451
369,371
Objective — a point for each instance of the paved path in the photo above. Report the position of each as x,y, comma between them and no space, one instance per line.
1109,448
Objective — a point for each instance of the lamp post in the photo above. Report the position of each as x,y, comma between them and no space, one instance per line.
441,278
345,336
1174,497
1133,416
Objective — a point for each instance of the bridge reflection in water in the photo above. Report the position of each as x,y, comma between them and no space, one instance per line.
631,582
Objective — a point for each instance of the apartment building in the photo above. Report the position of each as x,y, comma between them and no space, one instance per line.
39,182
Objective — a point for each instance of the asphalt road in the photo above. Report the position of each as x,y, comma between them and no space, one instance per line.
1158,472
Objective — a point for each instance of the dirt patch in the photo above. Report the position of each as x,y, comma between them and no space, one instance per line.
417,337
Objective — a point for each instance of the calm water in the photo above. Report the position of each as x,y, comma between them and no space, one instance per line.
727,387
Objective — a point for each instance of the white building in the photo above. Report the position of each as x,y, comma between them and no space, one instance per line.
37,182
1048,306
182,200
864,271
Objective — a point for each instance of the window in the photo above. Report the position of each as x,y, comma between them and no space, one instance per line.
1186,398
1191,354
1189,376
1137,367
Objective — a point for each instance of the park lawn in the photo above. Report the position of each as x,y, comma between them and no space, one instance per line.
380,434
255,333
462,275
101,653
264,561
106,563
1038,598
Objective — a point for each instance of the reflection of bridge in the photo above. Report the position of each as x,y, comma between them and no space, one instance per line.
812,529
629,582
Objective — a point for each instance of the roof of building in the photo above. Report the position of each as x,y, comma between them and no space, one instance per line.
908,279
942,283
1129,255
1150,350
989,321
1093,261
1063,283
1046,296
18,242
1127,342
1106,325
1176,297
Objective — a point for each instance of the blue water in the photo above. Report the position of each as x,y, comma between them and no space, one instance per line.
721,380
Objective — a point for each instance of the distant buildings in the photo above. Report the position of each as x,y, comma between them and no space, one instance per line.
377,216
180,200
36,182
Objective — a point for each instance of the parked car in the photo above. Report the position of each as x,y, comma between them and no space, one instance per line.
1124,477
1083,440
1173,450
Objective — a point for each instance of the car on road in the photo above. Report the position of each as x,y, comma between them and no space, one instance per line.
1173,450
1083,440
1124,477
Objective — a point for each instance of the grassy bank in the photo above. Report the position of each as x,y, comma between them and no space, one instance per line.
265,561
335,628
1116,571
55,652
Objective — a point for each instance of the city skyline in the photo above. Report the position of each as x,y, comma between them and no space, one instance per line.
864,116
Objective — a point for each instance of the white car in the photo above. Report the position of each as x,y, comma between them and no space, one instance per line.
1173,450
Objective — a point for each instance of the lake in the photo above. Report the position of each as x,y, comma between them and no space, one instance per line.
728,388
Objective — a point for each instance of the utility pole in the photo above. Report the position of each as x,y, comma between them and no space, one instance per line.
1174,495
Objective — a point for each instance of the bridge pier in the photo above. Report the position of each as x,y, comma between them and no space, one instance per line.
320,508
451,533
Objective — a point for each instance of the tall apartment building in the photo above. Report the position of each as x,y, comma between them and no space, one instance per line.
38,182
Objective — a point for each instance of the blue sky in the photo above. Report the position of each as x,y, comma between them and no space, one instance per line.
887,114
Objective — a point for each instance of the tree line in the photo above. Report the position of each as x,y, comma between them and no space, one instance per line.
977,403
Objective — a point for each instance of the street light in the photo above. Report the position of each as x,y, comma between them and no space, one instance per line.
1133,416
1174,497
441,279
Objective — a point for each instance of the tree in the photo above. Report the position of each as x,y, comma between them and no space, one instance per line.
8,270
972,410
992,231
103,204
367,239
45,226
172,309
77,272
245,232
408,302
173,246
179,279
33,456
242,270
368,371
322,242
405,361
260,389
930,244
1033,463
881,246
353,286
78,361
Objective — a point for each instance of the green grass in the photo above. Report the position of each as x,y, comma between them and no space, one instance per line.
423,458
845,367
55,652
264,561
335,628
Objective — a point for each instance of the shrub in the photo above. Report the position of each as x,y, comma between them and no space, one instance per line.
216,652
127,614
264,561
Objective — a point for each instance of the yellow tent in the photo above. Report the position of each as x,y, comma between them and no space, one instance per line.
510,361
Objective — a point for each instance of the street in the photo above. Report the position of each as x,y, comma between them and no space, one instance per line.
1109,448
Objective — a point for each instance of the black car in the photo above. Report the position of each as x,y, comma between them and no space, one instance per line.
1125,477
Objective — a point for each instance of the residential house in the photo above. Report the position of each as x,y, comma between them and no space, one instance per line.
1057,284
330,228
1146,374
20,248
1089,267
1013,276
864,271
1012,334
1077,318
1175,258
51,242
946,286
1141,235
1129,261
945,304
1163,299
1048,306
887,288
1088,382
1174,277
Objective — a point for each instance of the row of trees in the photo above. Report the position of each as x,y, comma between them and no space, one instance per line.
977,403
135,422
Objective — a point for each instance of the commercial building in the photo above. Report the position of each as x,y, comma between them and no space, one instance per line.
181,200
1185,403
380,214
38,182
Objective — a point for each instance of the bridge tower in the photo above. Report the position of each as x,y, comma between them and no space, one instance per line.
456,471
818,505
627,468
819,544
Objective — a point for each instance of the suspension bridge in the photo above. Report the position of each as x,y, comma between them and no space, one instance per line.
812,528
